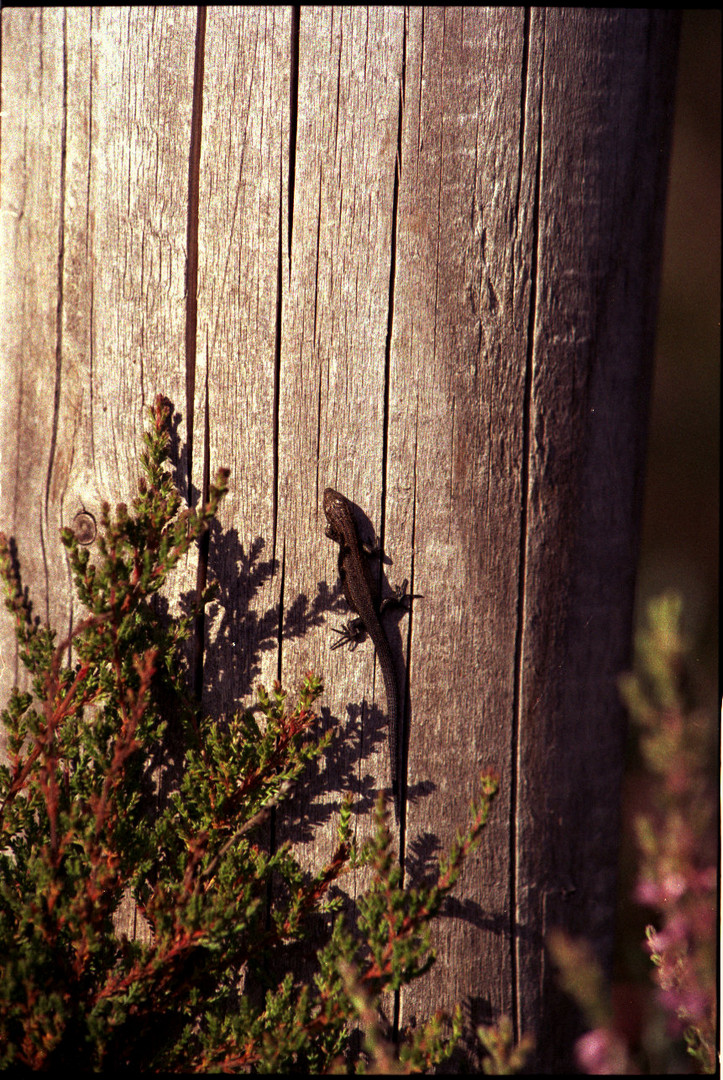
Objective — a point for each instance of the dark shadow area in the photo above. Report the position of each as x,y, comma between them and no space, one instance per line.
232,663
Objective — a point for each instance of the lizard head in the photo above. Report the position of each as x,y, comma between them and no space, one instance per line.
333,502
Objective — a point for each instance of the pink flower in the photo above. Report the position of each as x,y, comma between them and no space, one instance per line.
601,1052
674,886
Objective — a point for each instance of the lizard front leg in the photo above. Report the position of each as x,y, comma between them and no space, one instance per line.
351,633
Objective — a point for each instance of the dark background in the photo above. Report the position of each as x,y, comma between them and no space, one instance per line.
679,547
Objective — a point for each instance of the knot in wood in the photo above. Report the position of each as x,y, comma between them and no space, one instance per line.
84,527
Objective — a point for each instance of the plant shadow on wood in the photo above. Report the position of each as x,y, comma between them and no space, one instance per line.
421,865
237,634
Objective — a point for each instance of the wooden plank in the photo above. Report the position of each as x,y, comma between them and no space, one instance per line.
95,175
333,370
242,253
142,102
95,138
32,183
419,282
461,312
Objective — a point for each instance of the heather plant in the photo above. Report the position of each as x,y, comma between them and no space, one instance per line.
85,824
677,874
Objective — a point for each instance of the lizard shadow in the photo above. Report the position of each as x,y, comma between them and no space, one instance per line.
367,726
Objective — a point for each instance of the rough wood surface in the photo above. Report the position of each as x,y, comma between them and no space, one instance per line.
412,255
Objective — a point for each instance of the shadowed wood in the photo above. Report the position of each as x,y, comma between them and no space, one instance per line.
425,248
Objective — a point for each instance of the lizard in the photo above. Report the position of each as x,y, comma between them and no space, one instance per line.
362,597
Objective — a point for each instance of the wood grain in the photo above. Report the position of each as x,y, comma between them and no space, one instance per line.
457,400
424,250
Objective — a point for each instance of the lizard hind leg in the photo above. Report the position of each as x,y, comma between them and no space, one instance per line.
399,597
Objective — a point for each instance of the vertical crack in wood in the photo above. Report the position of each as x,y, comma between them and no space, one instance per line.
293,119
279,665
203,549
392,283
339,56
404,733
316,256
399,768
420,83
59,312
316,308
277,366
527,443
293,115
194,170
440,105
88,204
280,621
524,75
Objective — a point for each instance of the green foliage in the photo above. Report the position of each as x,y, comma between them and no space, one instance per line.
83,828
505,1056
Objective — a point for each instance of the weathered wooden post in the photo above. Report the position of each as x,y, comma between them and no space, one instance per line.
411,254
